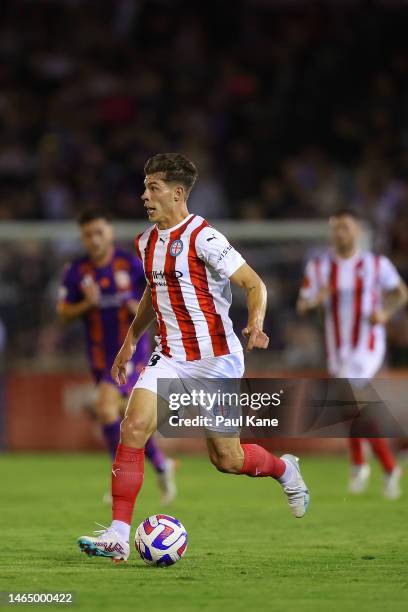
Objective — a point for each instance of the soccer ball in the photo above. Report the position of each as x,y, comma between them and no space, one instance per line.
161,540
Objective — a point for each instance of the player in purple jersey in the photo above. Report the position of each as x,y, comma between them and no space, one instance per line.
104,288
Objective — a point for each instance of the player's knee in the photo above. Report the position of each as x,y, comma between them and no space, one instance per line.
226,462
135,429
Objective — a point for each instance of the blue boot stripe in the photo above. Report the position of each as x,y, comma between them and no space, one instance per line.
86,544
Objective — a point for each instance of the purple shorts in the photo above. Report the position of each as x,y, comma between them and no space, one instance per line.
134,370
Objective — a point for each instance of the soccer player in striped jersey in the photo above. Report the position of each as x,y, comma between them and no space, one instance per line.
104,288
188,266
359,292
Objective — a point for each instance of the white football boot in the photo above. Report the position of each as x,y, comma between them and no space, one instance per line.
392,489
360,475
296,489
106,543
167,482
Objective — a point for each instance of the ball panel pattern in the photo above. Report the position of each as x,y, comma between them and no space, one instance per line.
161,540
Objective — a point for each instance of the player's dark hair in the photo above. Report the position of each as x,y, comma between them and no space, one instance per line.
176,167
346,212
92,214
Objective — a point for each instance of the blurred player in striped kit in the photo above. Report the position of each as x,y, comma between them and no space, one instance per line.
359,293
104,288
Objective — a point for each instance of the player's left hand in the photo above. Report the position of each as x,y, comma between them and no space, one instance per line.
256,337
379,317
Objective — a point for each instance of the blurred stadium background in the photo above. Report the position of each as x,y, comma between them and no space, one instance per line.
290,109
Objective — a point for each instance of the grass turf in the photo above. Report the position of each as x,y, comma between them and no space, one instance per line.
245,550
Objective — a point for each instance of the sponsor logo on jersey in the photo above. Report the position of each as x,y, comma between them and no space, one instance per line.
176,248
160,275
122,279
160,278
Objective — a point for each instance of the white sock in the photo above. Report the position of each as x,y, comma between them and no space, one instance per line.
287,474
122,528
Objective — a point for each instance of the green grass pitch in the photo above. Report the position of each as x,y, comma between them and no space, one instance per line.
245,552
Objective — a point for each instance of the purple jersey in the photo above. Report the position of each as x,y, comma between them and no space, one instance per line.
106,325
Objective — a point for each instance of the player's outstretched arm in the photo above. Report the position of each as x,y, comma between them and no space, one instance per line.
255,289
145,315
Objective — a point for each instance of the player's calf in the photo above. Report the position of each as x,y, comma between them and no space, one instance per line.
227,465
228,459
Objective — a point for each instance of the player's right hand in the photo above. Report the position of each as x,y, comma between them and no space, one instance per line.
91,293
119,367
323,295
304,305
256,337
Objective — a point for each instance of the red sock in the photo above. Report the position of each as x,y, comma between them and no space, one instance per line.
356,451
259,462
383,453
127,479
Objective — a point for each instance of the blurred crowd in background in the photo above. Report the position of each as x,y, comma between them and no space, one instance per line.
289,109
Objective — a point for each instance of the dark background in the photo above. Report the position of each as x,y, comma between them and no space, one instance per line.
289,109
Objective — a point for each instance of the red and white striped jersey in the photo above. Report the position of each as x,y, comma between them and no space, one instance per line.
356,288
187,268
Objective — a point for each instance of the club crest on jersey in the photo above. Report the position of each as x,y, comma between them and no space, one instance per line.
176,248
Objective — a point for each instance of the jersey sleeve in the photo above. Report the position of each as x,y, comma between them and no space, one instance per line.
69,290
310,284
138,278
388,275
214,249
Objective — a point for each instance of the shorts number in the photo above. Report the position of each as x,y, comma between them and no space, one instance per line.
153,360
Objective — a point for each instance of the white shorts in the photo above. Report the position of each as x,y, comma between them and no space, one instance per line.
362,365
222,368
